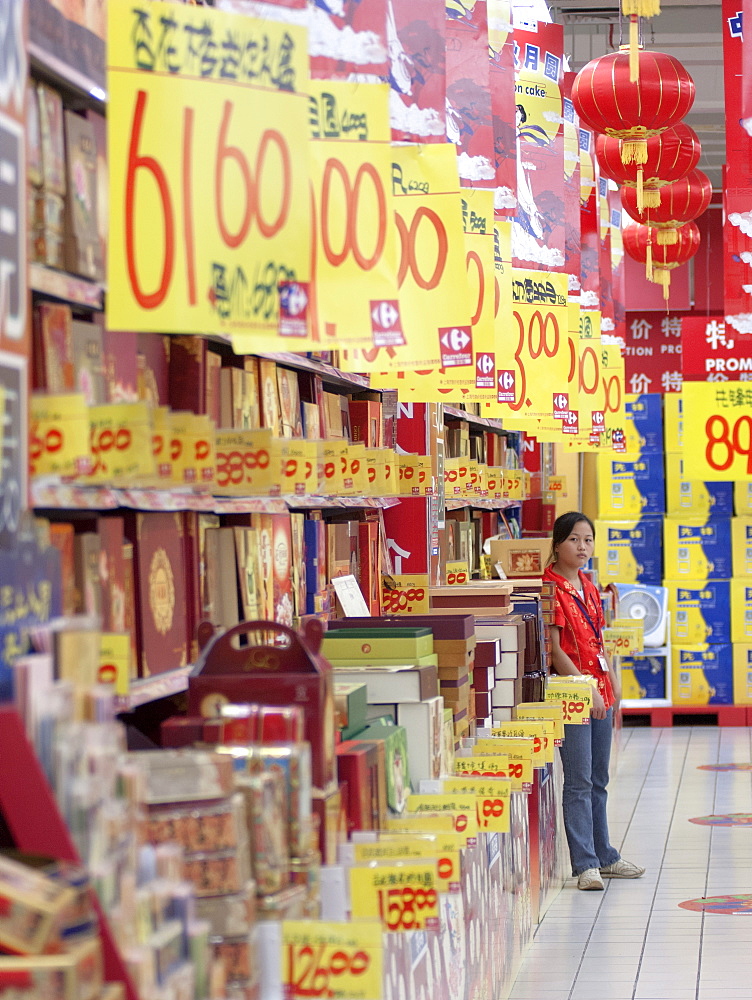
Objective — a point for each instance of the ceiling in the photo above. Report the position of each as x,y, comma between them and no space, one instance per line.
690,30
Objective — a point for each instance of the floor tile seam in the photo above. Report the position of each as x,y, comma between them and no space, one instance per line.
573,988
665,849
703,915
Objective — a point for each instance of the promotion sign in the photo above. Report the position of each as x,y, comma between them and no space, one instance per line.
356,255
653,353
209,218
340,961
433,291
717,431
539,225
537,365
714,352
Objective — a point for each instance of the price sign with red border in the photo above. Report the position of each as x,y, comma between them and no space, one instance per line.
334,961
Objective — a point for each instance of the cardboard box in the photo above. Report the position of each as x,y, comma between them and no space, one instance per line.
34,911
673,422
350,662
742,658
424,724
630,485
393,738
702,675
697,548
521,557
358,765
700,612
350,707
643,677
743,498
741,546
510,632
630,551
392,684
741,610
692,497
404,644
77,974
460,627
643,422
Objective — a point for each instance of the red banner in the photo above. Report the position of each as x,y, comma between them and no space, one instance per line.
468,94
501,53
571,185
713,352
590,279
653,353
417,70
538,230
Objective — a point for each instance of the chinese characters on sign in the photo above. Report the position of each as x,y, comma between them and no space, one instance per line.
653,353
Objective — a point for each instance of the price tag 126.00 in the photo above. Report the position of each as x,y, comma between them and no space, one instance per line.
332,960
402,897
209,219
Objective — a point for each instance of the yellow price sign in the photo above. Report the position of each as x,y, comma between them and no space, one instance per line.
457,574
59,435
421,823
121,442
491,800
461,808
575,699
542,733
343,961
547,712
520,751
402,897
445,848
248,463
558,486
210,218
717,432
405,595
486,766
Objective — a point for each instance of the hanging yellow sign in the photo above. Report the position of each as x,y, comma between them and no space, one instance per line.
209,174
717,431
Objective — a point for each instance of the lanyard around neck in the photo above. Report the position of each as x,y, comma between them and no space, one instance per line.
582,604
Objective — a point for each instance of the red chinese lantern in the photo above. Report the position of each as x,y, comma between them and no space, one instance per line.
607,102
671,156
660,259
681,202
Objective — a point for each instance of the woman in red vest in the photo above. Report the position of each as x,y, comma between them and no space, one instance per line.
577,649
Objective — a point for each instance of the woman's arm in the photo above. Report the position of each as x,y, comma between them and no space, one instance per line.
614,682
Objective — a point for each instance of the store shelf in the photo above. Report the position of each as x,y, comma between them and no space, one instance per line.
151,688
57,71
68,287
481,504
49,495
487,423
333,376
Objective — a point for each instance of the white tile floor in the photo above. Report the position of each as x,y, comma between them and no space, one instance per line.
633,941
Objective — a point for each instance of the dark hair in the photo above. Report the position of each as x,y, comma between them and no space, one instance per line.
563,528
522,111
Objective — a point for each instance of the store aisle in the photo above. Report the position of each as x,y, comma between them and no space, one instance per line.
633,941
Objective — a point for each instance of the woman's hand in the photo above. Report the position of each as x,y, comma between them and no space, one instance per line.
599,705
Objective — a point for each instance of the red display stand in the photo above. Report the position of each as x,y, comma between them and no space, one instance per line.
34,821
664,716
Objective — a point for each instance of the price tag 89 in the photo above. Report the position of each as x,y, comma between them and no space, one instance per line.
332,960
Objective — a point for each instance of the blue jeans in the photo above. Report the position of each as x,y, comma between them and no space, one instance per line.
585,755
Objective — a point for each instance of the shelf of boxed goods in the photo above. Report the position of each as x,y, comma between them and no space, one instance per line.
488,423
481,504
149,689
61,74
333,376
70,288
48,495
31,814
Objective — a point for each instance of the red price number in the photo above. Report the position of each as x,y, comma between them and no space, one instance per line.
571,709
515,770
231,163
726,440
408,244
539,337
456,579
403,908
486,774
106,440
402,600
490,810
310,970
349,194
236,467
51,443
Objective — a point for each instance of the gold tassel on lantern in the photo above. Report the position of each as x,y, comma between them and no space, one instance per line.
634,49
640,192
649,260
651,197
634,150
641,8
663,278
667,237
